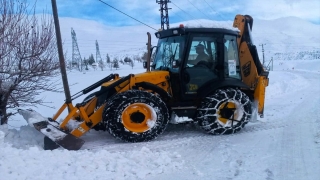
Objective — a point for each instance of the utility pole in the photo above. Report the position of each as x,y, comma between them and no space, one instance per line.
164,12
262,53
60,52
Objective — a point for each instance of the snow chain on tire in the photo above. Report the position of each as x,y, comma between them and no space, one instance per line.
226,111
135,116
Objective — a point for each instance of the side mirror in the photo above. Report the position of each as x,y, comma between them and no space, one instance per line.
175,64
144,64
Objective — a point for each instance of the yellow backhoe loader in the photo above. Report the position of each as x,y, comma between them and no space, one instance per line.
211,75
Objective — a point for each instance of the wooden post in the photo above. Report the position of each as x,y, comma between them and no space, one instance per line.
60,51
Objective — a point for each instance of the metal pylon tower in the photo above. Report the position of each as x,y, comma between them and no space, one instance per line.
76,57
98,56
164,12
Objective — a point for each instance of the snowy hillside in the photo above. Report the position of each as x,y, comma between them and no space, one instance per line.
287,36
285,144
281,37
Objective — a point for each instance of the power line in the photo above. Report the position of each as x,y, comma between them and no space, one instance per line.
212,8
127,14
199,10
185,12
182,19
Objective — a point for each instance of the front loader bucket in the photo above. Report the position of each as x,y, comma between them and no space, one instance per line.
61,138
51,131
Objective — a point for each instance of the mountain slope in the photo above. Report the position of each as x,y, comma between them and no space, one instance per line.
284,35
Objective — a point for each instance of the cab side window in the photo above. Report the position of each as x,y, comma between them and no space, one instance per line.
231,59
202,51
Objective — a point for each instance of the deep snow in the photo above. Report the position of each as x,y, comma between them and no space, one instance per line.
285,144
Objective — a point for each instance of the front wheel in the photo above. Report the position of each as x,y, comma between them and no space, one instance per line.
226,111
135,116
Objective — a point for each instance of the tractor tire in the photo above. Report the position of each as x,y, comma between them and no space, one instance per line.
226,111
135,116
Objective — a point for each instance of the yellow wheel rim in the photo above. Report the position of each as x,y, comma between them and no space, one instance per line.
228,111
135,117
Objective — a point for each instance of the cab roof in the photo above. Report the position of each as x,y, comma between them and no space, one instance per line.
186,30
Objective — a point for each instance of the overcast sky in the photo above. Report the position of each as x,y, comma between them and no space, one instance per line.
148,12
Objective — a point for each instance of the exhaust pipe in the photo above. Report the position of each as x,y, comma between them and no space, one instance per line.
148,52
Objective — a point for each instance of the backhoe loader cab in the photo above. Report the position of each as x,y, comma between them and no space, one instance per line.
211,75
197,56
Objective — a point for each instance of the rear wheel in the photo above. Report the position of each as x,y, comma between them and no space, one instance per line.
226,111
135,116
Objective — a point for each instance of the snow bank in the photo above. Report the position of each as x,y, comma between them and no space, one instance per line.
82,164
1,138
291,82
24,138
285,84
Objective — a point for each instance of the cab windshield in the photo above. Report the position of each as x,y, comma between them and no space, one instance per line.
168,50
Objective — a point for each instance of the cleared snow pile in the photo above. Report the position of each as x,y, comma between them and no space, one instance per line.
21,149
286,84
24,138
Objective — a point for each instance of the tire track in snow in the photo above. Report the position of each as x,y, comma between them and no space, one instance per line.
180,136
193,142
296,144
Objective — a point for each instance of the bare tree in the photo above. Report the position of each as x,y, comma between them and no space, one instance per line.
94,66
137,58
144,56
101,65
28,57
131,64
115,63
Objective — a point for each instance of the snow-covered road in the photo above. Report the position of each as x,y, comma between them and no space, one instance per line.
285,144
